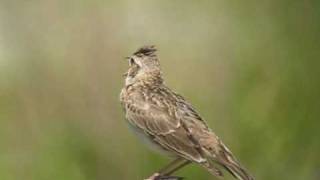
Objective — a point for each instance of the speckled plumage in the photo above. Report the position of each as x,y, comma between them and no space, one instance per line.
168,121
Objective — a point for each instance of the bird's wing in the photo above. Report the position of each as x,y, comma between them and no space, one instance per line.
160,118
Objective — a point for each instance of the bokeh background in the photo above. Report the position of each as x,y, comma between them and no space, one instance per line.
251,68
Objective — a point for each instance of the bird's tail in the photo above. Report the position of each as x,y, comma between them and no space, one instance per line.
229,162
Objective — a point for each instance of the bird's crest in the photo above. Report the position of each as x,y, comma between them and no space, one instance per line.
146,50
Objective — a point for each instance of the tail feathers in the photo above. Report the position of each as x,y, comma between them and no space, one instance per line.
238,172
228,161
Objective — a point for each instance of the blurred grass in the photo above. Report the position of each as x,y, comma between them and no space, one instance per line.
250,68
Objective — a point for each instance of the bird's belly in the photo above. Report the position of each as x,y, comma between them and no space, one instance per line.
146,139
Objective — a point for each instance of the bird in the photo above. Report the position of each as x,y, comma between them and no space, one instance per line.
169,124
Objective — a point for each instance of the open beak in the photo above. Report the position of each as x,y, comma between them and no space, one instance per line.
125,74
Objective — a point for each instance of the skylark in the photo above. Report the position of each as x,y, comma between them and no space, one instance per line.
168,123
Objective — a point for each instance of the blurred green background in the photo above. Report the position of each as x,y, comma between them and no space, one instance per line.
251,69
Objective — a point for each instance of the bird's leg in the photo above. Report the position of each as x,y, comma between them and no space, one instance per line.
169,166
164,170
164,173
167,175
181,165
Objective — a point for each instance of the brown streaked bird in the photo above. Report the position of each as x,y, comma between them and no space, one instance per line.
168,123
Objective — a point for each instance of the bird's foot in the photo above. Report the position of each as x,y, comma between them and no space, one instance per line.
157,176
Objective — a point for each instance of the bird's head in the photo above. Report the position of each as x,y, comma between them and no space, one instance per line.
143,66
